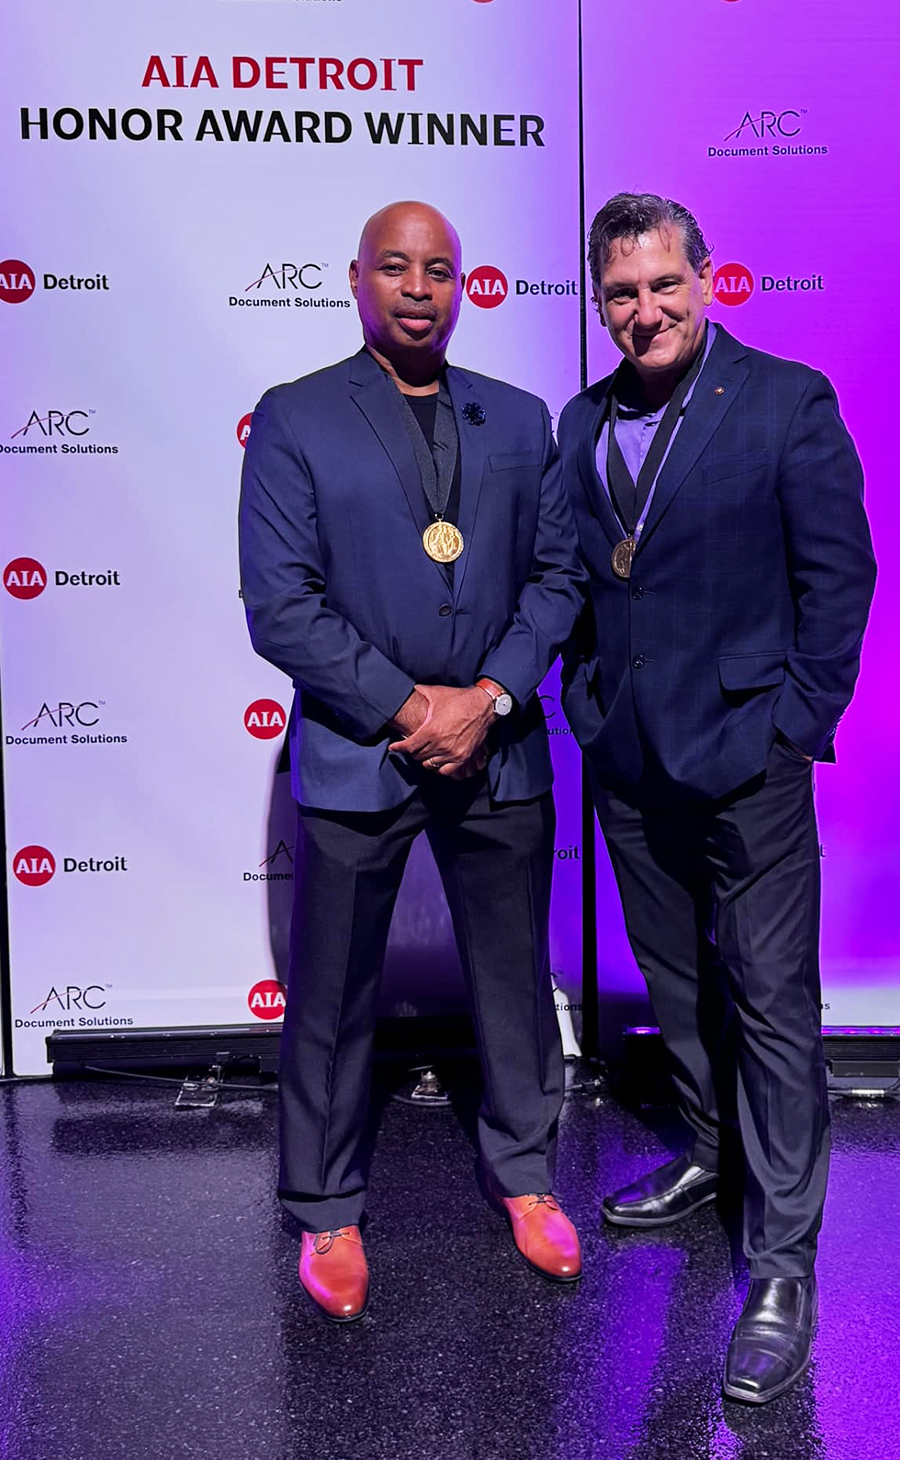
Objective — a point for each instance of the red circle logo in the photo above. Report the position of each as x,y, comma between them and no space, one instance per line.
267,998
24,578
732,284
243,428
34,866
487,286
265,719
16,281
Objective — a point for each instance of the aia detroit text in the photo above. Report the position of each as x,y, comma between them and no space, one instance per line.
413,129
790,285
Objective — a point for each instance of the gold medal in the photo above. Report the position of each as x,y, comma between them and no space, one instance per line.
442,542
623,556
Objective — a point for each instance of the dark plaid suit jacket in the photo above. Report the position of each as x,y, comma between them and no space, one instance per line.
750,588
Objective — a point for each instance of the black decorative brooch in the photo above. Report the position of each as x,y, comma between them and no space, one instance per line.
474,413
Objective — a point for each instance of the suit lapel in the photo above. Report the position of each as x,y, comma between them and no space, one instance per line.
718,384
591,484
473,450
371,389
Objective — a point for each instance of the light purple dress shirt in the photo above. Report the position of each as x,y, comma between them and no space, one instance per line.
635,429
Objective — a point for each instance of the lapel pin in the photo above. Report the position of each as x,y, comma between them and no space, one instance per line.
474,413
720,390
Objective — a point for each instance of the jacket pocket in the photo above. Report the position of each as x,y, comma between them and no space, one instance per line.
764,670
505,460
735,466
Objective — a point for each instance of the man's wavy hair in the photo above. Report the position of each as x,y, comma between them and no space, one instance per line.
628,215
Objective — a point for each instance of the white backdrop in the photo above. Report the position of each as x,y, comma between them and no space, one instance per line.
141,808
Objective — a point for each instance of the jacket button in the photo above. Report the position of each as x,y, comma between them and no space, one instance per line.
445,609
637,592
638,661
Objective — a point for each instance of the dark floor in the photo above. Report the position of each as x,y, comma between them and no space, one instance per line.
149,1302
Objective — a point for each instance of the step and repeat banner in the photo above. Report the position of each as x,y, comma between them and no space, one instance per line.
776,125
185,186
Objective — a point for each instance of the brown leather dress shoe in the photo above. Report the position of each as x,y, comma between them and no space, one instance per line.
334,1272
545,1236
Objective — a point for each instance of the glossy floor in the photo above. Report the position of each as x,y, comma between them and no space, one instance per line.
150,1303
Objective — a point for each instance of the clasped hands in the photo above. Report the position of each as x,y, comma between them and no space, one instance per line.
445,729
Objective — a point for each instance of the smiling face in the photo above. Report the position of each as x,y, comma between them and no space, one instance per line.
653,302
407,282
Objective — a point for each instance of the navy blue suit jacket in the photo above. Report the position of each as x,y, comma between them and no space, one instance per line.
750,587
341,595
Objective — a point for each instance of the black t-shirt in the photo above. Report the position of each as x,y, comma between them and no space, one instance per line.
424,408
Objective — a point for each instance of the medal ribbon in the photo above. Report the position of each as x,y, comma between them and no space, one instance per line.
436,470
630,498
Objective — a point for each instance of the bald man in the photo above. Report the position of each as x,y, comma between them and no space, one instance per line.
409,559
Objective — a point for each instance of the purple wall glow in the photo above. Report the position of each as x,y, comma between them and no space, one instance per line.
807,94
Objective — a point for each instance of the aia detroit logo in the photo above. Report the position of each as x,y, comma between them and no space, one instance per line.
732,284
266,999
265,719
34,865
243,428
487,286
25,577
16,281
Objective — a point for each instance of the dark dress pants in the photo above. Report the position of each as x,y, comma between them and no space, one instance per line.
496,863
721,904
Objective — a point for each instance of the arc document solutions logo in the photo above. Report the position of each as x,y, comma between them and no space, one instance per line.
56,433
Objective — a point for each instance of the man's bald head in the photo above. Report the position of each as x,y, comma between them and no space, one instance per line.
407,282
408,215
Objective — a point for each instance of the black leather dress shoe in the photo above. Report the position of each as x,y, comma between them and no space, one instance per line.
771,1343
663,1196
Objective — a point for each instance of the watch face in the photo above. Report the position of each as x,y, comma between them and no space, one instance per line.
503,704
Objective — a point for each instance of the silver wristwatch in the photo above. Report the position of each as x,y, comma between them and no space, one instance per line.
503,702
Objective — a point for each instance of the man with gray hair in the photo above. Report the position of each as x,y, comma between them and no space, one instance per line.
719,503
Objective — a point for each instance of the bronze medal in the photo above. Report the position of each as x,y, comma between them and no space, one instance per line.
442,541
623,556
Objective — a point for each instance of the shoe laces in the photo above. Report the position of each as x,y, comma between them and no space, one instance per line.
544,1199
324,1241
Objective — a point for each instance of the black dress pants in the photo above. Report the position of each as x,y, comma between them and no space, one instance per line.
721,904
495,862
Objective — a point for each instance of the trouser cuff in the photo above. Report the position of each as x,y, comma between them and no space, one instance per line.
323,1214
705,1155
774,1266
